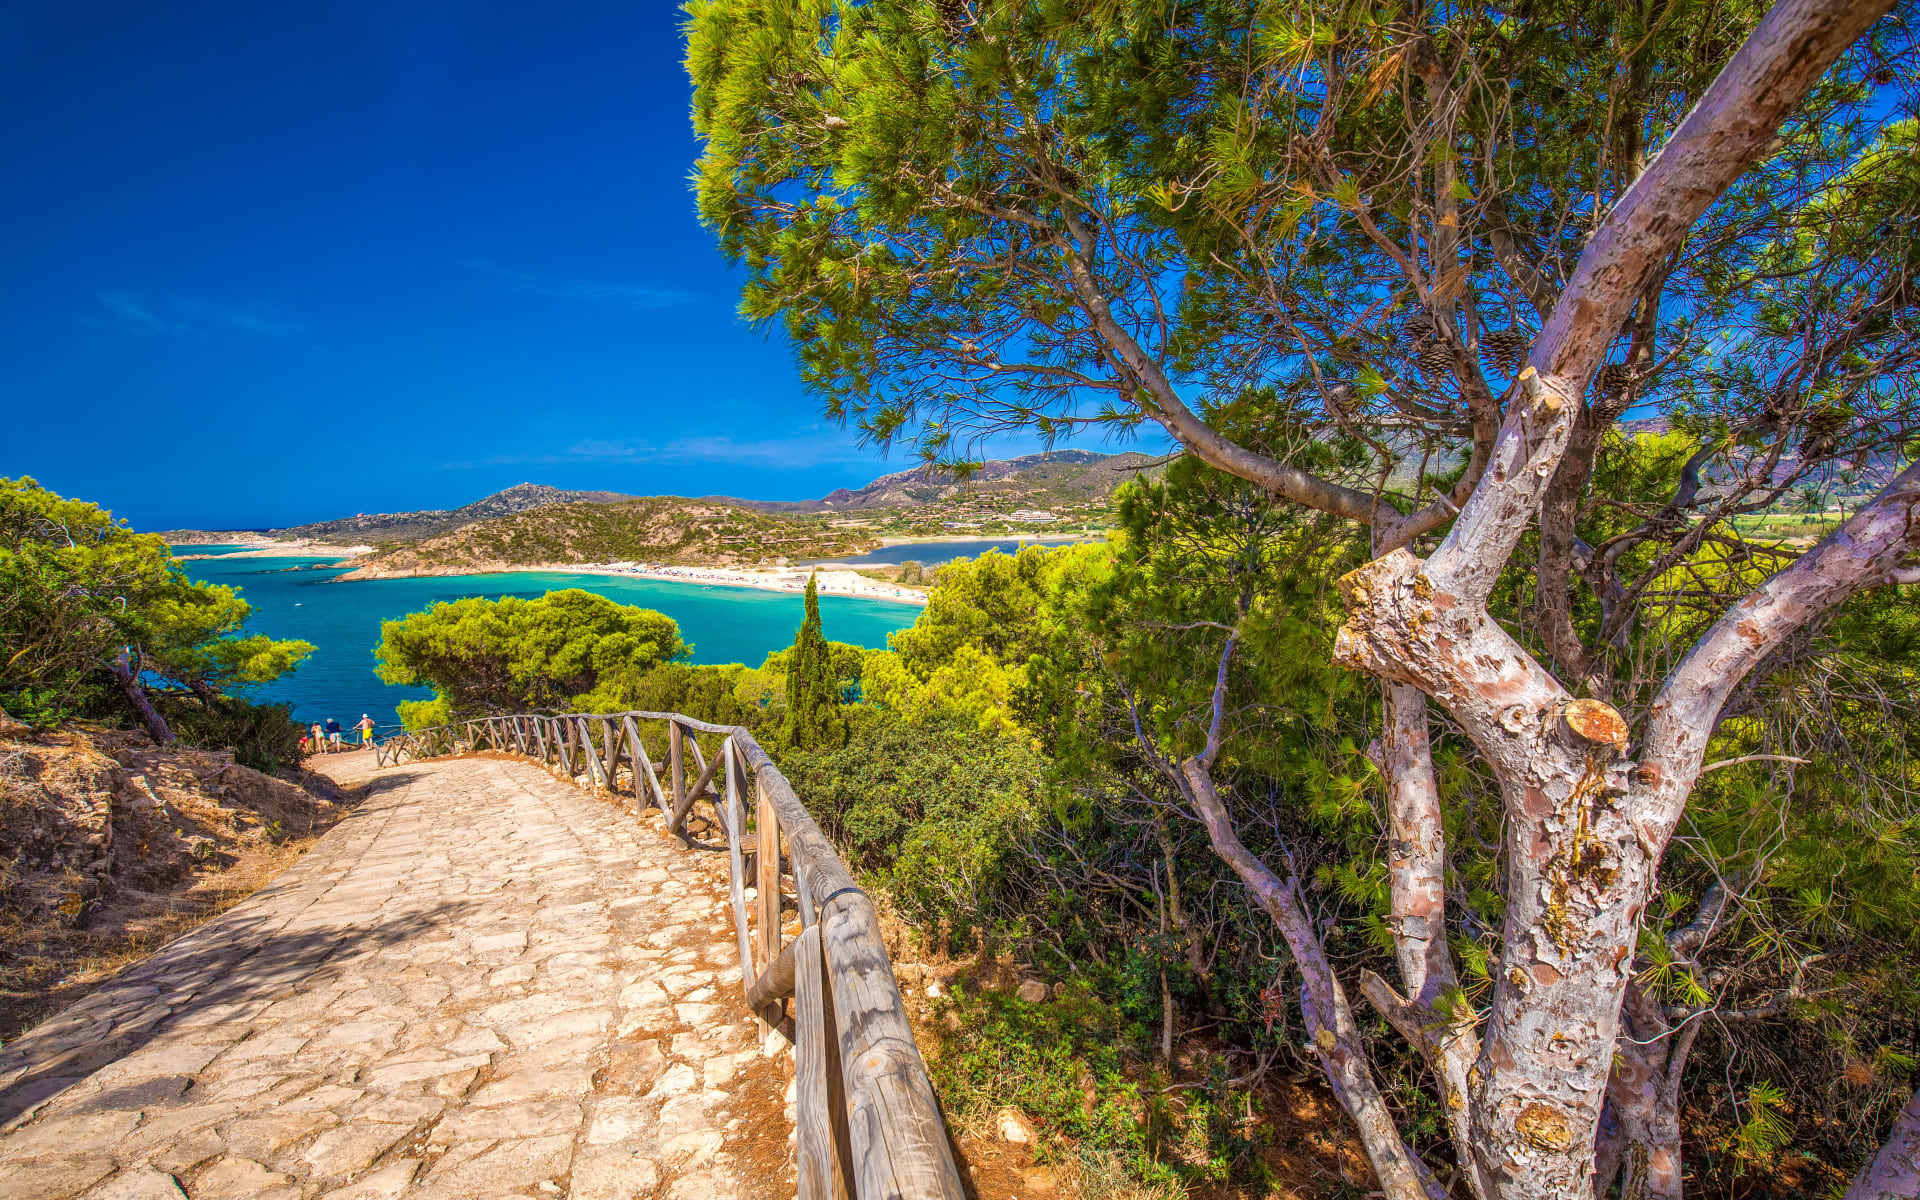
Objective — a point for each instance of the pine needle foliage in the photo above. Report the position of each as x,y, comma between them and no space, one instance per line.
814,719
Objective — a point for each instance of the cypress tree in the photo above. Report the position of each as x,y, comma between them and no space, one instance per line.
814,721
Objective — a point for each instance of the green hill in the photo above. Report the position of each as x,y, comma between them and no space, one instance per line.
654,529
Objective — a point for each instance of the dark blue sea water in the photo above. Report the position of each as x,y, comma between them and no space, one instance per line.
293,599
932,554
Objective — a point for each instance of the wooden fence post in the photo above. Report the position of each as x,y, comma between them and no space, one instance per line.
767,824
677,773
819,1115
737,875
646,765
609,753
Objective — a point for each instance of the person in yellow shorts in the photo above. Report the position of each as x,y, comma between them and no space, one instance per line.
365,726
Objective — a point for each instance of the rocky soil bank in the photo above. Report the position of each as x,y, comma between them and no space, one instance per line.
110,846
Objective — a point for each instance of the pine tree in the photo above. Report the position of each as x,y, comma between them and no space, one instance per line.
814,720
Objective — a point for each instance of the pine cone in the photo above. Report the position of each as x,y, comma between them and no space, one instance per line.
953,16
1507,348
1420,326
1815,446
1436,359
1615,380
1827,420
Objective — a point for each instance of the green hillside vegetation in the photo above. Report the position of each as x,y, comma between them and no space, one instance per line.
100,622
657,529
1075,488
999,780
393,528
415,526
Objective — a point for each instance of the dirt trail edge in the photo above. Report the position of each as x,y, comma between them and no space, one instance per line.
484,982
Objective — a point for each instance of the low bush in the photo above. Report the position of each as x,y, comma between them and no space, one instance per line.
927,809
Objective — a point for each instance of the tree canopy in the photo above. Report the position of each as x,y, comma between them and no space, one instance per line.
1409,269
485,657
813,719
93,613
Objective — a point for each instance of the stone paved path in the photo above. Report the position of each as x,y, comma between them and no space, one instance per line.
483,982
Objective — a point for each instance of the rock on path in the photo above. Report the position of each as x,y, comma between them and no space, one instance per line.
484,982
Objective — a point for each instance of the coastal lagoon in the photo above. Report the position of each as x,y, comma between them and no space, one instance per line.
295,598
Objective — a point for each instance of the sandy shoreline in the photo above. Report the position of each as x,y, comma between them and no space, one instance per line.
297,548
773,579
832,583
788,579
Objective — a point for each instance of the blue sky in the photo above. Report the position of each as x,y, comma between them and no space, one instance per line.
271,263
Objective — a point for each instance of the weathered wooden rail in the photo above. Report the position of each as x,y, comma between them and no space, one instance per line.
867,1126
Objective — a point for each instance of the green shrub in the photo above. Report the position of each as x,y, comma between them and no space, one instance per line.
262,736
486,657
1059,1062
41,708
425,714
929,809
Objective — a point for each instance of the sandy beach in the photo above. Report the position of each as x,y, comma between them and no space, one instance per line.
776,579
292,548
772,579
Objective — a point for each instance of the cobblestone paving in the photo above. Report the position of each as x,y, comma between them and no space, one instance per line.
483,982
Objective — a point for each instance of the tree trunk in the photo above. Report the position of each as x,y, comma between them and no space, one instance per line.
1324,1009
1894,1173
1417,915
1190,946
137,697
1585,831
1643,1102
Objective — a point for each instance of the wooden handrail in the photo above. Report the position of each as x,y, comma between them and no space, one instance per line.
868,1125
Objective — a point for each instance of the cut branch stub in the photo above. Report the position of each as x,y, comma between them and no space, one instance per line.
1595,727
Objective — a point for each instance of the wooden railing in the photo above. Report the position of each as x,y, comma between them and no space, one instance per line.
867,1124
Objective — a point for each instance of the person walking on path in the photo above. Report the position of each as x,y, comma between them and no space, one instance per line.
366,730
333,735
319,739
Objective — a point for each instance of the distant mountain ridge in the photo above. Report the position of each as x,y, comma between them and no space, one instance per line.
1053,477
655,529
415,526
1056,478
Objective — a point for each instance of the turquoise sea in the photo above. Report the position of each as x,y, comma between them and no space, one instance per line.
295,598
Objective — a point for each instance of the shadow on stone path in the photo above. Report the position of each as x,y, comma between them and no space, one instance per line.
483,982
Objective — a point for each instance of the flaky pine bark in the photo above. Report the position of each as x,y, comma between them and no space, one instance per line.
1417,916
1894,1173
1642,1147
1639,1142
1585,830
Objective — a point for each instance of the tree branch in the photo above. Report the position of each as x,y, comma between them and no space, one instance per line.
1725,134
